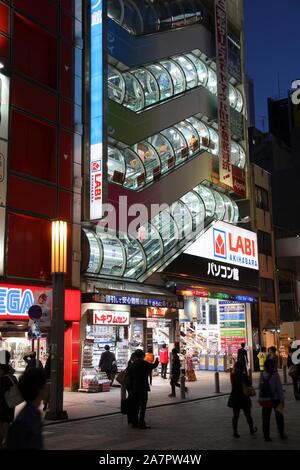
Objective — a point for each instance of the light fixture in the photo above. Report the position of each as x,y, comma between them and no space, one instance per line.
1,65
59,247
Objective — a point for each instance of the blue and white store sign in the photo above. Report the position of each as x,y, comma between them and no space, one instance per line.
96,124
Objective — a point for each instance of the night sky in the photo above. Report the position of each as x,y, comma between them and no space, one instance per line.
272,35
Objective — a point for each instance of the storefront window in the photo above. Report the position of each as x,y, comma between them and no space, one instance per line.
163,79
177,75
116,85
208,199
115,166
113,256
164,150
135,172
189,70
134,96
178,143
167,228
149,84
200,67
149,158
190,136
196,207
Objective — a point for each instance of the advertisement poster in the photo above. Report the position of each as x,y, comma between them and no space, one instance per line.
232,320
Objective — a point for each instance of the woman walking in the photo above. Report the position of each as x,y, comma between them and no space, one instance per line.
271,397
239,398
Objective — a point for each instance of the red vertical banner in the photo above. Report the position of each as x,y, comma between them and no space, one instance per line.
225,168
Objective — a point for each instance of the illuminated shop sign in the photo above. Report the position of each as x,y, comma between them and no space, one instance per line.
110,318
227,243
128,300
225,168
156,312
96,124
218,295
16,300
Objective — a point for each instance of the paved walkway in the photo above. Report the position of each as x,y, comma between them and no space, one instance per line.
199,425
82,405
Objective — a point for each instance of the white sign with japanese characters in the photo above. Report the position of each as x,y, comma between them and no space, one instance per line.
229,244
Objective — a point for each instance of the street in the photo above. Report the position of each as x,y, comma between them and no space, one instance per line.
203,425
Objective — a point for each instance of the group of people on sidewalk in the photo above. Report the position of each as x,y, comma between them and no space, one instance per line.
271,394
24,431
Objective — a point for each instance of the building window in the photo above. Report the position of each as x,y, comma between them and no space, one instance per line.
267,290
262,198
264,243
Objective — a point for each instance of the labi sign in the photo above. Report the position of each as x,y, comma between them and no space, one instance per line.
229,244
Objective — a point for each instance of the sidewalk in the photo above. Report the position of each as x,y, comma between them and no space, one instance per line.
85,405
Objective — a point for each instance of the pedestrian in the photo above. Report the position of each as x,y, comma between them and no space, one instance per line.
164,360
294,373
272,354
149,357
239,398
26,431
108,364
242,356
48,379
175,373
271,397
138,387
30,360
7,380
262,356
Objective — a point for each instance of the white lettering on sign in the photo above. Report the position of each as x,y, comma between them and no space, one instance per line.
110,318
228,243
225,168
296,92
15,301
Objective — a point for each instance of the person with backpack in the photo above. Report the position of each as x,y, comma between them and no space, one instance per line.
271,398
239,398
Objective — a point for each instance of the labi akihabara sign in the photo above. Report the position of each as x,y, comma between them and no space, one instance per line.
229,244
96,123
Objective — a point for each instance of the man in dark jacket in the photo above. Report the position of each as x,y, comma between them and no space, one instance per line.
30,360
138,387
26,430
108,363
242,356
175,373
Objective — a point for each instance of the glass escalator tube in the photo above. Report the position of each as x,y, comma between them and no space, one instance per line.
212,82
177,75
202,131
114,257
208,199
177,13
214,141
149,158
240,101
135,177
196,207
134,98
242,162
235,153
164,15
201,68
136,262
184,220
116,168
163,79
149,84
178,142
150,17
190,135
164,150
115,10
116,85
152,244
96,252
233,97
167,227
220,205
189,70
133,20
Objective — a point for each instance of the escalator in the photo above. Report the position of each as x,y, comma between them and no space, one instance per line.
151,247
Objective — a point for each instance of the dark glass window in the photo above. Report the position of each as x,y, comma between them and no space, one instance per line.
267,289
264,243
213,319
262,198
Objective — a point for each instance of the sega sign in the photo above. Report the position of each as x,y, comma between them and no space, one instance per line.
15,301
228,243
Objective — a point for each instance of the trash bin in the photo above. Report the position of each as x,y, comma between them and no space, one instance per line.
212,361
203,361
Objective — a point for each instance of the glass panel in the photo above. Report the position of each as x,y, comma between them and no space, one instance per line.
242,161
113,256
235,154
201,69
115,165
163,79
214,141
165,20
95,253
190,135
177,75
150,18
220,205
135,258
240,101
164,150
232,96
134,95
196,207
178,143
149,85
189,11
149,158
212,83
135,172
236,213
229,213
177,14
202,131
116,85
167,228
133,20
183,219
190,73
208,199
152,245
114,10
